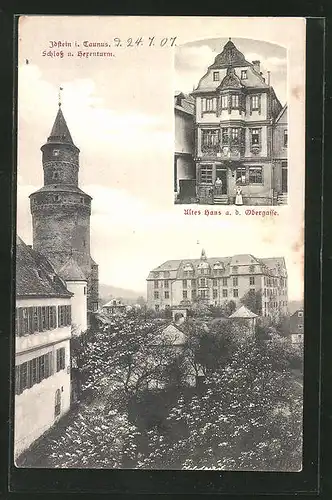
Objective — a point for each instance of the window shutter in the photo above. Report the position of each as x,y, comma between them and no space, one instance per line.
259,103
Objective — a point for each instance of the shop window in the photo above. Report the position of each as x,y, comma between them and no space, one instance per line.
255,175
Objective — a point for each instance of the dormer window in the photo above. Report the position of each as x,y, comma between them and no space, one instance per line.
56,197
82,200
216,76
56,152
244,74
55,175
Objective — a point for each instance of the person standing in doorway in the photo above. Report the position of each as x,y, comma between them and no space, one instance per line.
238,196
218,186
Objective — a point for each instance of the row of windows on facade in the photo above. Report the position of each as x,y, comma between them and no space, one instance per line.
204,294
230,101
234,135
251,175
38,369
204,282
216,75
268,281
30,320
215,293
275,303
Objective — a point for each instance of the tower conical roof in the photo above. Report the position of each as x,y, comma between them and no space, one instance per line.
230,56
60,131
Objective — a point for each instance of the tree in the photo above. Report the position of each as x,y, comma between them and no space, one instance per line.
253,301
248,418
95,439
229,307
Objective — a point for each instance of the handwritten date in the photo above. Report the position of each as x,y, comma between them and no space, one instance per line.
151,41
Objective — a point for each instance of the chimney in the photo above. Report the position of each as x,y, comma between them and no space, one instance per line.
257,66
268,78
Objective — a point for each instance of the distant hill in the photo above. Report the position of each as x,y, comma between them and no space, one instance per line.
108,292
294,305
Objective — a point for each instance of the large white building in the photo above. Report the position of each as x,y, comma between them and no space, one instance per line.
216,280
42,350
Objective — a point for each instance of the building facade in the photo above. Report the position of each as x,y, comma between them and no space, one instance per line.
296,322
42,347
184,166
61,210
236,114
217,280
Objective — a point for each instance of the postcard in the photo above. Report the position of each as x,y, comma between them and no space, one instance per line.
160,249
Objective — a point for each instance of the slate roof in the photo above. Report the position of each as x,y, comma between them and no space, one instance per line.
174,266
184,103
35,276
60,131
71,271
243,312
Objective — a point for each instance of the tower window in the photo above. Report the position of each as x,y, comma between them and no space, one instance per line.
55,175
216,76
56,152
82,200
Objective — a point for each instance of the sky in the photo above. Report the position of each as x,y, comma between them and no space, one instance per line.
120,114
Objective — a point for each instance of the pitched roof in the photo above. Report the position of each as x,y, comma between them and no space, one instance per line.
230,56
71,271
171,335
243,312
184,103
35,275
174,266
60,131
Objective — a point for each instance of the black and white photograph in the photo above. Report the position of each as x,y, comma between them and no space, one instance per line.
231,130
149,335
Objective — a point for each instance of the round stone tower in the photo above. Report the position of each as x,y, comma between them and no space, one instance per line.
60,209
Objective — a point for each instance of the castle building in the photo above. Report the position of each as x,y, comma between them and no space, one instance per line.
42,347
61,214
236,114
217,280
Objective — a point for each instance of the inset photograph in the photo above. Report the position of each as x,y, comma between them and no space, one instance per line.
231,130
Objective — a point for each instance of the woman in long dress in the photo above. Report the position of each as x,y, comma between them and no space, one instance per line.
238,196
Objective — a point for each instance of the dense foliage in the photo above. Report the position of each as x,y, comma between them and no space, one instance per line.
224,400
